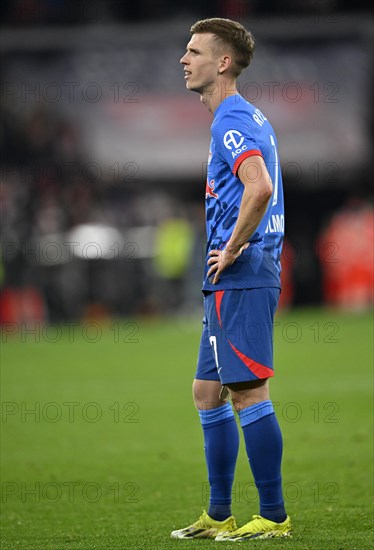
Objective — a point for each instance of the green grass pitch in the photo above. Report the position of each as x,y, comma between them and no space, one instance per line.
102,448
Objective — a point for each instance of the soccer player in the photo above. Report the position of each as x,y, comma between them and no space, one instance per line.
245,227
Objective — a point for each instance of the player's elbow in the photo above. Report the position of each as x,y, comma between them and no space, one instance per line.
264,192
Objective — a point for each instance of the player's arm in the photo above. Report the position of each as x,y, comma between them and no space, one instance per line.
258,189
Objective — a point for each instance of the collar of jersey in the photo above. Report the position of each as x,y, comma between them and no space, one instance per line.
226,102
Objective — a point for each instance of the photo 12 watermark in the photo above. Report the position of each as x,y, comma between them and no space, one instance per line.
318,492
53,412
37,92
51,492
91,332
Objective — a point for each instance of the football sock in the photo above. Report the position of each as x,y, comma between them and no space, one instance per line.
263,441
221,444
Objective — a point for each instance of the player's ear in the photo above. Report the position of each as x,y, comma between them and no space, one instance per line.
225,63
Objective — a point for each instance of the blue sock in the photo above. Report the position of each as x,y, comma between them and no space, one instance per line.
263,441
221,444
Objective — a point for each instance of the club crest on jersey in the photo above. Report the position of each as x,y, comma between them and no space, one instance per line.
209,190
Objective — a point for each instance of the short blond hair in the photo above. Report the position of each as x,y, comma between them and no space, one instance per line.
233,34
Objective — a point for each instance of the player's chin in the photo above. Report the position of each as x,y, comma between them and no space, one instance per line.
193,88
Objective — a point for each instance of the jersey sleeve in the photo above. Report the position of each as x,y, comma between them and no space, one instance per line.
235,139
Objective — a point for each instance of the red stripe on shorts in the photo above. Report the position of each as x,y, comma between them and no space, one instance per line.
258,370
218,295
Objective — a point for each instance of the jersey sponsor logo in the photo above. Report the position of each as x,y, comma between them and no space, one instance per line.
233,139
238,151
209,189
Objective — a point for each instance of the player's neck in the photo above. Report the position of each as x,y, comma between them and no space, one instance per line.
214,95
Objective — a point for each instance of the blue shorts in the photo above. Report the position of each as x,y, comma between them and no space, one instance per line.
237,339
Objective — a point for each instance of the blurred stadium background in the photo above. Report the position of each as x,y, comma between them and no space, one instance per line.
104,153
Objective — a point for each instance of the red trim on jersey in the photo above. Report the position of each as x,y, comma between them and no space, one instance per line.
243,156
259,370
218,295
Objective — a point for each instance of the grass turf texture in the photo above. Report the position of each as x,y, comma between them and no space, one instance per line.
113,456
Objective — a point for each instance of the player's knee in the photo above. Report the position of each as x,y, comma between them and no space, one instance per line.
206,394
200,394
197,393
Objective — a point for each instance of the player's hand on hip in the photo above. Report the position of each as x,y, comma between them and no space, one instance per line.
219,260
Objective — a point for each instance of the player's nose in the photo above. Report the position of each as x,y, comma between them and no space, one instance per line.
183,59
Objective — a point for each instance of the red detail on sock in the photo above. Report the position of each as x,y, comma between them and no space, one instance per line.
218,295
258,370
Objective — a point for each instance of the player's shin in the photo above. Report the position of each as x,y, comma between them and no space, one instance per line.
263,440
221,443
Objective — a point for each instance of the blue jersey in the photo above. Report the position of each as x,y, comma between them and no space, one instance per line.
239,131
